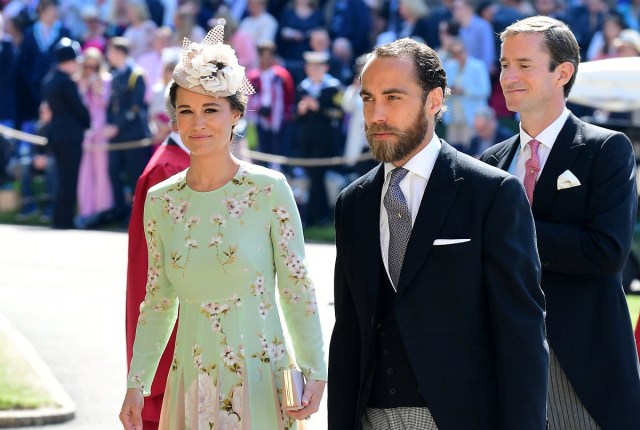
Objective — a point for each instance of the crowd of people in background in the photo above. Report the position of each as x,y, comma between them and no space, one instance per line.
302,57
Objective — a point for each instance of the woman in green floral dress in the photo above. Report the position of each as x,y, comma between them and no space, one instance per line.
219,234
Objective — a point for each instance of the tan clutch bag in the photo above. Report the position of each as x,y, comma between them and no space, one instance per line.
292,388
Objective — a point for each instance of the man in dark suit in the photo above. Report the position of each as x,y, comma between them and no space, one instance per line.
69,119
319,126
127,121
445,331
581,182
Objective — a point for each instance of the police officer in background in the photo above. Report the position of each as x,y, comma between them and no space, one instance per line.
319,127
69,119
127,121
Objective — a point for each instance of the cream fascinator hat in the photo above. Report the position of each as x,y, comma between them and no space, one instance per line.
211,67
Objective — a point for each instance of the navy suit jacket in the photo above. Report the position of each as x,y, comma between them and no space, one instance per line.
584,237
32,66
470,315
70,117
127,109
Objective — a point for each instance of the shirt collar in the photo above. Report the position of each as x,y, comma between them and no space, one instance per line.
176,138
422,163
547,136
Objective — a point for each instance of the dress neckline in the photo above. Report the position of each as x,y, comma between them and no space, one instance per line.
239,173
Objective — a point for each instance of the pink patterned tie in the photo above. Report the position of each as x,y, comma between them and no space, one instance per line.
532,168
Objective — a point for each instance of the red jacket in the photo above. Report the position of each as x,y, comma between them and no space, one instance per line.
167,160
288,90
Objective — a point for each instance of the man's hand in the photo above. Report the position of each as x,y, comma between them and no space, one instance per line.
110,131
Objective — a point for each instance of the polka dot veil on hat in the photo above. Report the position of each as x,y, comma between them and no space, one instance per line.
211,67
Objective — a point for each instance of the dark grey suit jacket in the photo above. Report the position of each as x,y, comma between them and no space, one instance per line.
584,237
471,315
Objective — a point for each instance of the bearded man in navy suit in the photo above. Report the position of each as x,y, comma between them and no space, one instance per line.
581,183
446,330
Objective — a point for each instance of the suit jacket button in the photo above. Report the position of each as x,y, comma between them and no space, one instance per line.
546,264
390,371
393,391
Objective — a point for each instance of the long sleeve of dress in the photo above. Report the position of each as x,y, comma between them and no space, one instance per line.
158,311
296,290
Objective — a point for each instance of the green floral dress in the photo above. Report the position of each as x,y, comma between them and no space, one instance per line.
214,256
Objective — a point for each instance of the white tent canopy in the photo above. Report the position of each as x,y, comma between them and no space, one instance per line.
612,84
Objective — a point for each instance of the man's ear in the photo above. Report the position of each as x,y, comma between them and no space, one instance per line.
435,99
566,71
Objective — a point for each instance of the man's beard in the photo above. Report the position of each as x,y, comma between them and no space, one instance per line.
408,140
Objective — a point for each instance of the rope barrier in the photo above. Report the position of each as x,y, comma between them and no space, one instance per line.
21,135
253,155
40,140
132,144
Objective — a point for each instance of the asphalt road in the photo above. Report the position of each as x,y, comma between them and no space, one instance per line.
65,291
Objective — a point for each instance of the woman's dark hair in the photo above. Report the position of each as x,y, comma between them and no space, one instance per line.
617,18
238,102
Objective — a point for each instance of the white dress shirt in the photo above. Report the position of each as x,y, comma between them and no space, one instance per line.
413,185
547,138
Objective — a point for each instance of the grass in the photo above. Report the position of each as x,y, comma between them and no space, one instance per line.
10,218
19,385
324,233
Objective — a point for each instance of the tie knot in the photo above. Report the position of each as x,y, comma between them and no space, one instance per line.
534,146
397,175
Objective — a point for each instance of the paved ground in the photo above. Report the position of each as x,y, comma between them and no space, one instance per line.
64,290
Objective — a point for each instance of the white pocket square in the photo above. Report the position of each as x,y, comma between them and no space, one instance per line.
567,180
440,242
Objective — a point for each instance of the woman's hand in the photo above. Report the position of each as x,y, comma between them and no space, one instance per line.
311,398
131,412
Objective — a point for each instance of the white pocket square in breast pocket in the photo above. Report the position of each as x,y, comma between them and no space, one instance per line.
567,180
440,242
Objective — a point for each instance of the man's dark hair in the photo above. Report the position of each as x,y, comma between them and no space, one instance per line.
427,64
557,39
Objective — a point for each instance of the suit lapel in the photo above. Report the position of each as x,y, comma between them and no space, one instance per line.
566,149
504,155
367,233
441,192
